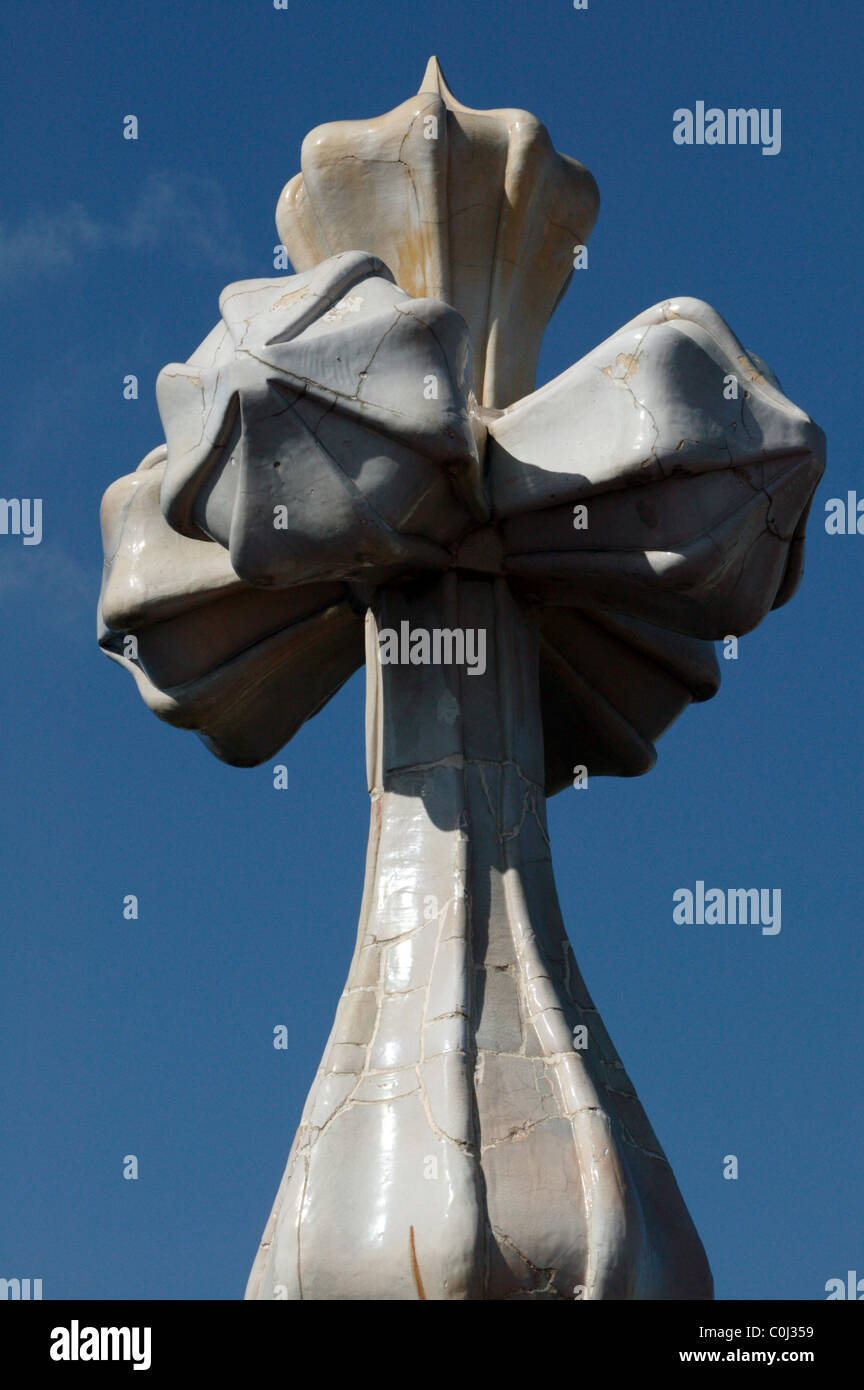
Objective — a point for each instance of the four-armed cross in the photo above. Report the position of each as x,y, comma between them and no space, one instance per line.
360,444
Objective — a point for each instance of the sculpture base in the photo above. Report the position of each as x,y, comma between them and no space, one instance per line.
471,1133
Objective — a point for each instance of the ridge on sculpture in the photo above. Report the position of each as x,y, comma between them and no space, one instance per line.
357,464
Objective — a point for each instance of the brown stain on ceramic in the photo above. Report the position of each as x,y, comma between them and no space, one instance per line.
415,1268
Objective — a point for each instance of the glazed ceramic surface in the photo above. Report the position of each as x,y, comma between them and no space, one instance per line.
357,467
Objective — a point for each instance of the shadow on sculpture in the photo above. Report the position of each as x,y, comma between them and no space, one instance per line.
356,455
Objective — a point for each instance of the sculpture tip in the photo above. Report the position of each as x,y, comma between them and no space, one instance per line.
434,79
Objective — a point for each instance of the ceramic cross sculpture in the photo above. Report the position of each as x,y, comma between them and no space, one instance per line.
357,466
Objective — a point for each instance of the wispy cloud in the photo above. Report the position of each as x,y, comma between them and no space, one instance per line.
46,569
47,584
188,212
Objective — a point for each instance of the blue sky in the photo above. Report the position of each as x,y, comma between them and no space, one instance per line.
154,1037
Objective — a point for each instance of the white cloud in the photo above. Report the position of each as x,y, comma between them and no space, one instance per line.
187,212
47,584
